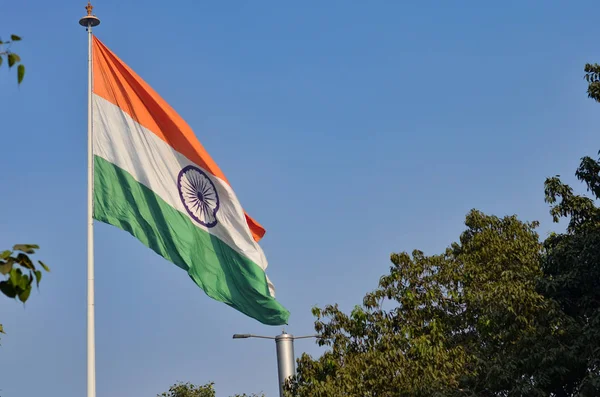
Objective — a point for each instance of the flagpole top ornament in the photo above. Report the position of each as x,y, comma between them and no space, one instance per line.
89,20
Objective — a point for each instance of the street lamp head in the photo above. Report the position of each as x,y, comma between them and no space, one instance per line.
241,336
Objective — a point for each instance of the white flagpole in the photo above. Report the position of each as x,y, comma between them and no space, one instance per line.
89,21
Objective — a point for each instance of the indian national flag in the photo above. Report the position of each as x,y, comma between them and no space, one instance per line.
155,180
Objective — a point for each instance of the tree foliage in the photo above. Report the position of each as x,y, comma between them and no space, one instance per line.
181,389
189,390
10,57
592,76
499,313
20,272
572,277
436,325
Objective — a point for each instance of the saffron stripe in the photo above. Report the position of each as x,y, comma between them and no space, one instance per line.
119,84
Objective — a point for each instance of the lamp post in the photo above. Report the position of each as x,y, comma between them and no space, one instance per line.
286,363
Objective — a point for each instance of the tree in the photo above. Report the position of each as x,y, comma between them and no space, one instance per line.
572,269
592,76
439,325
11,57
21,272
497,314
190,390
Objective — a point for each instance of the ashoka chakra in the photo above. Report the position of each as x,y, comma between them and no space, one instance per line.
198,195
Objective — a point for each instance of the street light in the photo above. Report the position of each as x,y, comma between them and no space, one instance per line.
284,343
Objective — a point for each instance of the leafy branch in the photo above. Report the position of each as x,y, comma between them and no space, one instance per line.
11,57
21,272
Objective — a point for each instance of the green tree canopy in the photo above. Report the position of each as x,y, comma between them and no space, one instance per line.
181,389
571,267
446,324
189,390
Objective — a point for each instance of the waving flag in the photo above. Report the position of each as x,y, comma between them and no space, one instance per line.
155,180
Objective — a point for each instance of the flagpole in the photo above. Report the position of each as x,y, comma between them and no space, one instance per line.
89,21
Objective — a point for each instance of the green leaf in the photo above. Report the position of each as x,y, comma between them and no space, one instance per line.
27,248
12,59
7,289
2,329
18,280
46,268
7,266
14,37
26,280
24,261
5,254
20,73
15,276
38,277
23,296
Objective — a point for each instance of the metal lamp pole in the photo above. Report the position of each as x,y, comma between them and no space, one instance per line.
286,363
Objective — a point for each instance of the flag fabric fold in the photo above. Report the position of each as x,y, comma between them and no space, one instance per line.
155,180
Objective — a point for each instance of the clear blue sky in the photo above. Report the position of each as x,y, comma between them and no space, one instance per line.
350,130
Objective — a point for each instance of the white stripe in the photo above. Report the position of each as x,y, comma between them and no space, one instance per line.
152,162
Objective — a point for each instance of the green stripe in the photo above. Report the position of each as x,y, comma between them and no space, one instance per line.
224,274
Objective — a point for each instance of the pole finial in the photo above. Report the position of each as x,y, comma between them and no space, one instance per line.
89,20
